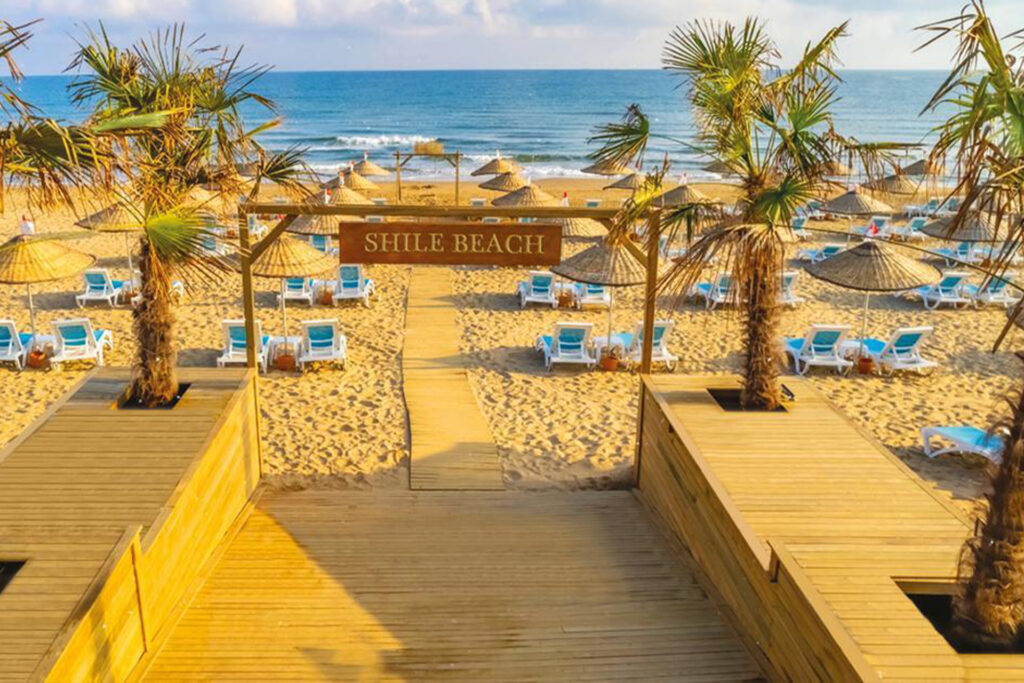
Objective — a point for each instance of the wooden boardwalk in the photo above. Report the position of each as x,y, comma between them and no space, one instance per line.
854,519
345,585
451,443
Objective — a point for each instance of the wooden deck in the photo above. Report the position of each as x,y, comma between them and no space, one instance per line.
816,500
451,443
82,486
342,585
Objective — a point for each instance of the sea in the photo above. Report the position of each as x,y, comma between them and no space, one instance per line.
541,118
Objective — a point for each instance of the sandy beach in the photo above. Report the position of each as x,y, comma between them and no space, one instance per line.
564,429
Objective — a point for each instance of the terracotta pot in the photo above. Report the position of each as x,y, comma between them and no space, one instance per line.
38,359
565,301
609,363
325,297
285,361
865,365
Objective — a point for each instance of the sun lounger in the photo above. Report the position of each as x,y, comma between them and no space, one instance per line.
926,210
789,296
821,346
322,341
352,284
14,345
949,207
234,344
323,243
996,252
816,255
798,226
539,289
963,253
902,351
477,202
591,295
632,344
592,203
77,340
99,287
812,210
911,231
949,290
721,291
569,343
298,289
964,439
878,226
996,291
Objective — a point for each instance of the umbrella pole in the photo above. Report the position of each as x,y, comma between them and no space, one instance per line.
864,324
284,316
128,248
31,311
611,303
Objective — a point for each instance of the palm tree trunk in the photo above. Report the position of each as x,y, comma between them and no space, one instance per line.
988,610
154,379
763,284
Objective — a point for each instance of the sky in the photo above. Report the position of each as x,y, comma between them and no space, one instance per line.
297,35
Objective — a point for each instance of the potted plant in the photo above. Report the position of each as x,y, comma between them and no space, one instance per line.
37,358
865,365
611,358
325,296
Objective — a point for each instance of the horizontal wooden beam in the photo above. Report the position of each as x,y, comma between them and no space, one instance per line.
426,211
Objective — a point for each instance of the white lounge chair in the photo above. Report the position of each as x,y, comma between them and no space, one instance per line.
477,202
539,289
212,245
569,343
592,203
352,284
99,287
821,346
816,255
721,291
234,352
789,296
591,295
911,231
949,207
633,344
949,290
323,243
322,341
926,210
14,345
298,289
996,252
964,439
963,253
902,351
878,226
77,340
798,225
995,291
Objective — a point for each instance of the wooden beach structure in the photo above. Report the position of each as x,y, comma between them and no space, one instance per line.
784,545
432,149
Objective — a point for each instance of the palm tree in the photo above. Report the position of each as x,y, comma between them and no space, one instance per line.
985,136
201,92
773,129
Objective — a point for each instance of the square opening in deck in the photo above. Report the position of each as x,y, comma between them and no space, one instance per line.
131,403
729,400
934,600
8,568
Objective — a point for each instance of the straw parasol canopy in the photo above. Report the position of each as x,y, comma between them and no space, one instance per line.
582,227
497,166
977,227
328,225
683,194
368,168
629,182
354,181
856,203
719,167
26,260
873,266
923,167
288,257
114,218
897,183
608,168
527,195
837,168
505,182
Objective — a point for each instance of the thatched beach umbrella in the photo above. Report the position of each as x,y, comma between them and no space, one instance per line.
607,168
354,181
527,195
505,182
897,183
368,168
977,227
26,260
856,203
719,167
119,217
582,227
497,166
873,266
837,168
328,225
609,264
683,194
923,167
288,257
630,182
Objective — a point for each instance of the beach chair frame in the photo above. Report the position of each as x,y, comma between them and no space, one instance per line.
556,352
943,292
15,348
234,352
90,347
102,288
591,295
305,292
632,345
312,351
361,287
964,439
529,292
721,291
810,353
893,356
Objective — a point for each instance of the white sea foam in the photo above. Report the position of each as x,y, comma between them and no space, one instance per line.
378,141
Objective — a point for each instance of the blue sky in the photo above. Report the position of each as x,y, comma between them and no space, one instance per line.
488,34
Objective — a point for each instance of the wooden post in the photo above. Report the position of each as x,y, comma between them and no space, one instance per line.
398,175
458,158
248,301
650,295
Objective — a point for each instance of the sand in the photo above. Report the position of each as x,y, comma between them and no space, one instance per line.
561,429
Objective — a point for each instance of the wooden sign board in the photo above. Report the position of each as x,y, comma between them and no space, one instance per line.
451,243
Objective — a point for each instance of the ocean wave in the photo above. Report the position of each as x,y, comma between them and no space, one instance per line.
377,141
